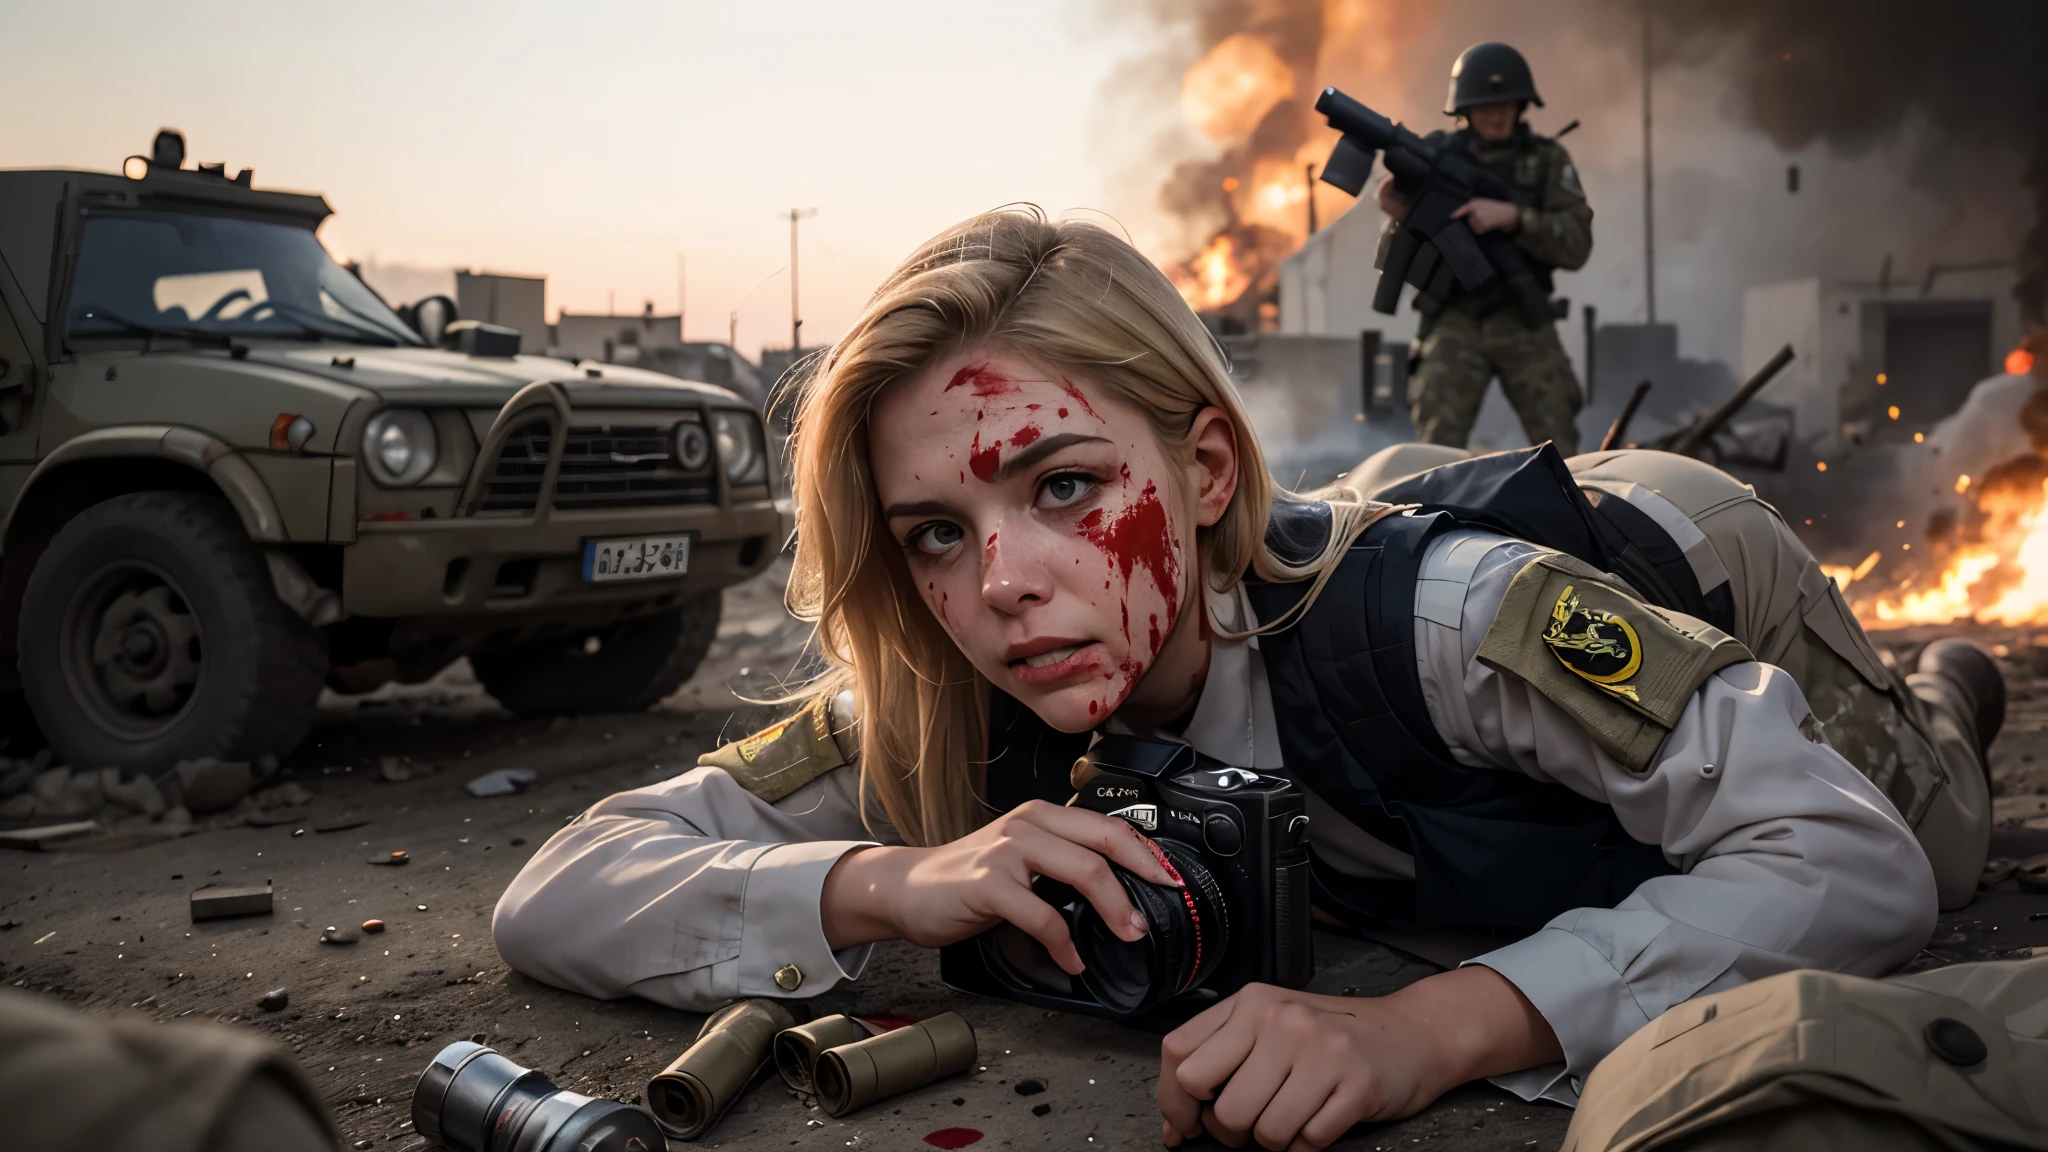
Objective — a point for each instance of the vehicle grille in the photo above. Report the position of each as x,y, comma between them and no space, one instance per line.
603,467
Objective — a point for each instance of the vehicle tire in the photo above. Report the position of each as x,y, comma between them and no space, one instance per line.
151,633
626,667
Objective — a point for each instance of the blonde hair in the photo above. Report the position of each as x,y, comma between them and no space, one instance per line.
1070,297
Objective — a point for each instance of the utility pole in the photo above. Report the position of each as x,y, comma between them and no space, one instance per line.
1308,172
682,309
1649,186
796,322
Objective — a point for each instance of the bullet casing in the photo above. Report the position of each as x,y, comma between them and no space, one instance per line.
797,1049
691,1094
862,1073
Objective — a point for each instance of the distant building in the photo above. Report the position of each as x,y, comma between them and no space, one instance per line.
1875,363
614,339
712,363
1326,288
513,301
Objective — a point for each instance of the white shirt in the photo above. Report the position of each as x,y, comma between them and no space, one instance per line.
693,891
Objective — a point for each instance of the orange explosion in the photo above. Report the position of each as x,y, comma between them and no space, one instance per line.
1994,572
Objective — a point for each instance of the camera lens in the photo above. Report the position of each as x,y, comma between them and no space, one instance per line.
1190,929
471,1099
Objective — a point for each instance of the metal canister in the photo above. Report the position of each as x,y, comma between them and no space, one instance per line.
855,1075
797,1049
690,1095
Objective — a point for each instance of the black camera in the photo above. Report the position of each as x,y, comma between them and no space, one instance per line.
473,1100
1238,840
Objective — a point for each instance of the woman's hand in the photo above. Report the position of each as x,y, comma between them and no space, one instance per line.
1295,1071
935,896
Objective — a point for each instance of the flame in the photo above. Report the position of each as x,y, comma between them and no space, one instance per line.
1214,277
1997,575
1229,90
2019,362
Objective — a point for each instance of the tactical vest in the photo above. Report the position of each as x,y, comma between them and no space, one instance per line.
1523,165
1493,849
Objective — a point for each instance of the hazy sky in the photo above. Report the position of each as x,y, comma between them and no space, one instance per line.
592,142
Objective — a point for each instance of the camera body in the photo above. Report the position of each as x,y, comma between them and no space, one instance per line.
1237,838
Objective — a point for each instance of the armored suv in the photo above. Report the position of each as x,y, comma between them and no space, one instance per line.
232,474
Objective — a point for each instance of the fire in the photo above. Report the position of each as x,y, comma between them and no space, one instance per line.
1214,277
1227,92
1998,572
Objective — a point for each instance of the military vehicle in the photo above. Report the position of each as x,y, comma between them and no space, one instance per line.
231,473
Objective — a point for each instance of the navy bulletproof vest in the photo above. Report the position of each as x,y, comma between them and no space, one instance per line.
1493,849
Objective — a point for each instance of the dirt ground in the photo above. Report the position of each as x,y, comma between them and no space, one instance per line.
104,927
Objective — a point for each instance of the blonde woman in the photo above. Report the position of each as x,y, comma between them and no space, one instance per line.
1030,508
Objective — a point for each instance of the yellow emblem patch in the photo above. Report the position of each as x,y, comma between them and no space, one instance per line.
1597,646
752,745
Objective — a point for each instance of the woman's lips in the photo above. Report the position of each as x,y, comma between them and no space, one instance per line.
1079,658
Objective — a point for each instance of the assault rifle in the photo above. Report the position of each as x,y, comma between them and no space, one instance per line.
1430,250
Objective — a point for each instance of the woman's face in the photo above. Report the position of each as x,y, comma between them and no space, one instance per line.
1044,525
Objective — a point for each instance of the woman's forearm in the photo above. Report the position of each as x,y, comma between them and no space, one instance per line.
855,906
1480,1023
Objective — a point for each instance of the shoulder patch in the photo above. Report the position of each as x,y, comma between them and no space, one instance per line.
1568,176
1623,669
780,759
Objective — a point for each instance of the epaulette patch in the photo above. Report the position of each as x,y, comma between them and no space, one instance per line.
780,759
1623,669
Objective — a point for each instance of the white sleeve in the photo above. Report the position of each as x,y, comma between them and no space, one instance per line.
1788,857
688,892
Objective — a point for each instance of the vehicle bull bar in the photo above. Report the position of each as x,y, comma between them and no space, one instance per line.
541,394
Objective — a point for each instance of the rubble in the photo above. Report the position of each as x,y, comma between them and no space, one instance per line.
222,903
503,782
392,860
2033,874
340,935
208,785
274,1000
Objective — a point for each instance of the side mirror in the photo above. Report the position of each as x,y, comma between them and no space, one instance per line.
430,317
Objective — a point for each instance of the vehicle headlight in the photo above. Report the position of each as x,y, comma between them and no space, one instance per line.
739,446
399,447
693,445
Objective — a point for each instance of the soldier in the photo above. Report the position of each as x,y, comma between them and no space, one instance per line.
1462,343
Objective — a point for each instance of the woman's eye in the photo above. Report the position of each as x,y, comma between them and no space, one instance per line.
935,538
1065,488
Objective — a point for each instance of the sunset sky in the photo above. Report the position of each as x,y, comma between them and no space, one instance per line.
593,142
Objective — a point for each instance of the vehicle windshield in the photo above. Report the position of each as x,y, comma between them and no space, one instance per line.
211,277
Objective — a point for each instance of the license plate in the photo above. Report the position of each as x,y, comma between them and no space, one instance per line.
635,558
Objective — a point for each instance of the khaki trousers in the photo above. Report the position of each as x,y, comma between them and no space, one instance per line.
1912,735
1954,1058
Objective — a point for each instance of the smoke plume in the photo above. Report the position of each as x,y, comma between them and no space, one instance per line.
1949,94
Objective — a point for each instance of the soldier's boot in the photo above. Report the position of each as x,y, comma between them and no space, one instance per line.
1973,675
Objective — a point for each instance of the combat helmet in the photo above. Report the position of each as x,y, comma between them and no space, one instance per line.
1485,73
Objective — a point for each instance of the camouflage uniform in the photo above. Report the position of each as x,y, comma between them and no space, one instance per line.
1463,346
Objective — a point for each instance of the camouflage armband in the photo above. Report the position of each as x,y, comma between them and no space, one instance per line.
1622,669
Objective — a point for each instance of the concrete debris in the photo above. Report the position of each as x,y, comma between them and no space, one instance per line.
340,935
503,782
2033,873
139,794
392,859
222,903
284,796
373,926
62,795
16,777
40,839
274,1000
210,785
